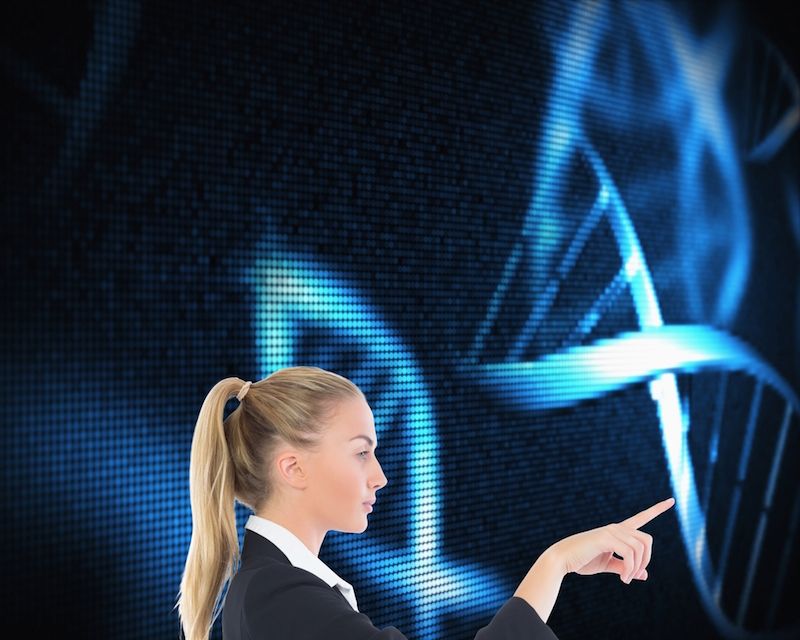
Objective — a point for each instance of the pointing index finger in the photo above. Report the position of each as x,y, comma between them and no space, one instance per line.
643,517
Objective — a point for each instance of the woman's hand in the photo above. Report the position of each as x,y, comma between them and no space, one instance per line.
591,552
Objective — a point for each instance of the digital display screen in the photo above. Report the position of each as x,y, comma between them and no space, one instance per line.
557,245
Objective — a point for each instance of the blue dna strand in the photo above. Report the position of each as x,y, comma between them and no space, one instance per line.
305,313
651,97
771,100
591,324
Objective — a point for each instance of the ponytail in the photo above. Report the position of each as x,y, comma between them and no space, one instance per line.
214,548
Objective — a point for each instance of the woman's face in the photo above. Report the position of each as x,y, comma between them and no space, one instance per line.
345,473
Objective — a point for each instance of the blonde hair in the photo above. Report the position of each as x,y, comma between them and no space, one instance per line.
230,461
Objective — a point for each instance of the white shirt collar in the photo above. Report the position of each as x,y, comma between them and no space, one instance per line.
300,555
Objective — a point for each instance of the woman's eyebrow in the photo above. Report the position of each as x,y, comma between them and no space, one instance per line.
367,438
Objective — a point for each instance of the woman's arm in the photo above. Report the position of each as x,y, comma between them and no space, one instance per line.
540,586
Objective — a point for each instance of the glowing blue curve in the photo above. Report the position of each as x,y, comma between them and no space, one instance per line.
293,291
702,67
591,371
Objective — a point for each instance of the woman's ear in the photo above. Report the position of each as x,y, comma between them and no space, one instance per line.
290,467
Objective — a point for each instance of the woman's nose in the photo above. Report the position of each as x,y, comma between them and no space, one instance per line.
382,480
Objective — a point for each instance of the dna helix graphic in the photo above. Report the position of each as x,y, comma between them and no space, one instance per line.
657,352
559,357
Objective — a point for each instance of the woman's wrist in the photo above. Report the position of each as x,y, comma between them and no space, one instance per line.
542,583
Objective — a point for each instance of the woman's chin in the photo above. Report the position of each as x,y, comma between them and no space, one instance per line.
355,527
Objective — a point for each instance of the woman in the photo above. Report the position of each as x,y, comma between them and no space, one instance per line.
299,450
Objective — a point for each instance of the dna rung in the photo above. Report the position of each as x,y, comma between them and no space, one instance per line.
751,501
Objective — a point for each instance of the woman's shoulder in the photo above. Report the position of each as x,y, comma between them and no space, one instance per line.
276,596
276,577
292,602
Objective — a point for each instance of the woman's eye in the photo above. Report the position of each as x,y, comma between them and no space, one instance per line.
363,452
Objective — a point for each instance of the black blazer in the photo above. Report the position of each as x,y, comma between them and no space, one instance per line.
270,599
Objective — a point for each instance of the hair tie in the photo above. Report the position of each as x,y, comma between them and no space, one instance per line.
243,391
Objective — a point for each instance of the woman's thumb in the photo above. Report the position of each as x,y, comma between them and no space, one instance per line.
617,566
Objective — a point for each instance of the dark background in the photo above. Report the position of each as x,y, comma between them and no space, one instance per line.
154,153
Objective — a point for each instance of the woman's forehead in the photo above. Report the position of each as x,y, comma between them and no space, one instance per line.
354,418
